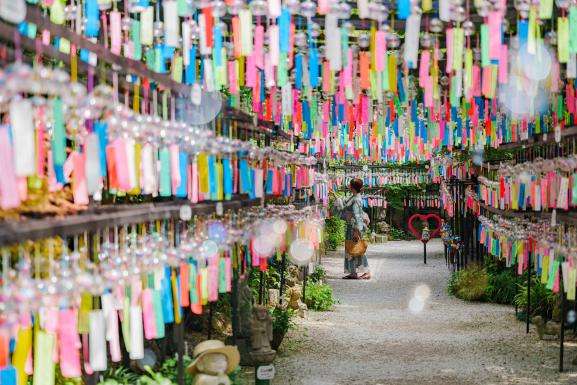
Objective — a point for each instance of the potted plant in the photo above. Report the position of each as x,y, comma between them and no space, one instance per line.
281,323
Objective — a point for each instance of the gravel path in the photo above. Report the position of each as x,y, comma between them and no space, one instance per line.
373,338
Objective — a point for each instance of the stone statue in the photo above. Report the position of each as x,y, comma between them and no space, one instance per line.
245,308
261,336
212,361
550,328
295,301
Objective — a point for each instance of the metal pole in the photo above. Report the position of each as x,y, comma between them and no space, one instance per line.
563,306
425,252
306,272
261,288
528,316
179,336
282,279
210,311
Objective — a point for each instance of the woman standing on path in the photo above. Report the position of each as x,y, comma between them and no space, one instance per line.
352,208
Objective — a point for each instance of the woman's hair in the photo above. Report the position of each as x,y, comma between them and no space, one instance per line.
357,184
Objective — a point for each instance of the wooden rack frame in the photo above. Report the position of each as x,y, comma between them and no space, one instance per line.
12,232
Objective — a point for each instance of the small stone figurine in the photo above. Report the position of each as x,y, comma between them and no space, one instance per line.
261,336
212,361
426,234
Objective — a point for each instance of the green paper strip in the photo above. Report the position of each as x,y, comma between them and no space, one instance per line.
150,59
222,276
158,315
58,136
345,44
64,46
563,39
31,30
573,29
135,37
485,45
545,9
43,363
125,323
458,44
57,12
553,275
164,157
177,69
281,70
468,69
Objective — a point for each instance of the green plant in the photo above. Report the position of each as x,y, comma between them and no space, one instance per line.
319,297
119,375
235,377
502,287
469,284
502,282
334,233
169,369
282,319
542,300
154,378
398,234
318,275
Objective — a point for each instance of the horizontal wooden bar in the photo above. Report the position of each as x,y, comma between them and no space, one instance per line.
126,65
562,217
540,139
12,232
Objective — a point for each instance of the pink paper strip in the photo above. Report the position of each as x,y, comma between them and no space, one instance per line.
80,192
494,36
9,196
449,65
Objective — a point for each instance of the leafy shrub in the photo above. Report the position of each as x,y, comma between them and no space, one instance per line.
282,319
319,297
542,300
318,275
335,229
502,287
398,234
469,284
502,281
169,369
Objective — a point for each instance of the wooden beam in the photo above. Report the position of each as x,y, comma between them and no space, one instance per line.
12,232
126,65
540,139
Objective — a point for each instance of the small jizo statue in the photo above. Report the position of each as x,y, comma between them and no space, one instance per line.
426,234
212,362
261,335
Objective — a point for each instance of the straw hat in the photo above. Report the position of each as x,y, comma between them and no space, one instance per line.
214,346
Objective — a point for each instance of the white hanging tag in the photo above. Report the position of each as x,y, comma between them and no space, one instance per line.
97,341
130,157
412,29
287,99
22,125
445,10
186,43
204,50
274,9
13,11
148,174
147,26
333,42
136,333
208,75
171,23
554,218
363,6
93,171
273,44
557,133
572,67
196,94
245,17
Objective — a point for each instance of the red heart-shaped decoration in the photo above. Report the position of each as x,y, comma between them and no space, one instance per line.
425,218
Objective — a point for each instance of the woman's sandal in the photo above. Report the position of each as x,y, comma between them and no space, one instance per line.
350,276
365,276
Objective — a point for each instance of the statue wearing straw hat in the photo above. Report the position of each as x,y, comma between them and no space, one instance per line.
212,362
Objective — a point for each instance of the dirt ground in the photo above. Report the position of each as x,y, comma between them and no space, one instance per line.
378,335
